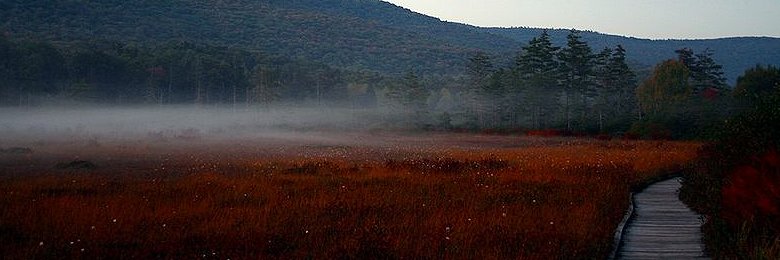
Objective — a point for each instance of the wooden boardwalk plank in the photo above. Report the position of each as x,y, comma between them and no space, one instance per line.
662,226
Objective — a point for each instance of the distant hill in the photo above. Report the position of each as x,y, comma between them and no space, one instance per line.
352,34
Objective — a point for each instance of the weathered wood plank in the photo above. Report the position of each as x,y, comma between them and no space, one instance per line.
662,226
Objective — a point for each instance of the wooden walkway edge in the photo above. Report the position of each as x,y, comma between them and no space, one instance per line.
658,225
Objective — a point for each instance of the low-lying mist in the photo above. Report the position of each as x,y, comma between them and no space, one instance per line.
185,122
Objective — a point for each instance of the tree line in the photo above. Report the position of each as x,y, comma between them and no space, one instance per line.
34,72
571,88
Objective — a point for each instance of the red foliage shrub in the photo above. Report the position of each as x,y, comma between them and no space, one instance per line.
753,192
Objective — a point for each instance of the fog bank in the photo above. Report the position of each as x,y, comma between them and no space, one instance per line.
184,122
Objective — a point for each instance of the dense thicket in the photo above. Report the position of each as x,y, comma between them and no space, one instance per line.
736,182
758,82
684,98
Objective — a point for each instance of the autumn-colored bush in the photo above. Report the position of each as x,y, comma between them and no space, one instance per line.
735,184
560,200
751,205
752,192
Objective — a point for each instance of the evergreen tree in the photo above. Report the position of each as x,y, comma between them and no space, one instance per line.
686,56
706,73
604,85
538,58
479,71
577,76
623,84
619,71
616,83
538,70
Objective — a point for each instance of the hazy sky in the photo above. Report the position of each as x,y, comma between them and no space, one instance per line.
656,19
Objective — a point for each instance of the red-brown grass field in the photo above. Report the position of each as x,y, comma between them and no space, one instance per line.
361,195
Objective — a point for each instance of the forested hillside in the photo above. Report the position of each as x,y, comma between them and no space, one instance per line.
283,28
348,34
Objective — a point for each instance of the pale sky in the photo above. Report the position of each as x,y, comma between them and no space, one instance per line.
654,19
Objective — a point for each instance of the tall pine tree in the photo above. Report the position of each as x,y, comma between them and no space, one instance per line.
706,73
686,56
604,85
624,84
616,84
479,71
577,77
538,70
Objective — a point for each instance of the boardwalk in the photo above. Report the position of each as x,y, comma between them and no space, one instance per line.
662,226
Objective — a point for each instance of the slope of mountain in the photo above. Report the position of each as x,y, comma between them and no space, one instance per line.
352,34
351,38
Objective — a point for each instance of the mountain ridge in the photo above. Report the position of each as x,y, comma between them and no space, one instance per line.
368,35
